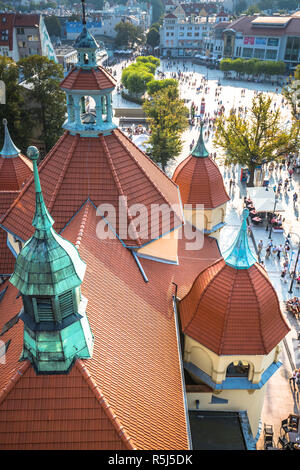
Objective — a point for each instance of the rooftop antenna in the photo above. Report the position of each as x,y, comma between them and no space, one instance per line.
83,12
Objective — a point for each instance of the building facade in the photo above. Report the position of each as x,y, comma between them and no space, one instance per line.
264,38
192,36
24,35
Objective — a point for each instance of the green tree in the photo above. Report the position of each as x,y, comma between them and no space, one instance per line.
292,93
156,85
19,119
44,76
256,138
168,118
128,34
153,38
157,10
53,26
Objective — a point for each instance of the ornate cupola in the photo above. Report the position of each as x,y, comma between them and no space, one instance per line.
89,90
48,273
233,326
202,189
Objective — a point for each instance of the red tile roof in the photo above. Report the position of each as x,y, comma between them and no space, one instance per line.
27,20
102,169
135,361
200,182
233,311
94,79
244,25
14,172
7,259
58,412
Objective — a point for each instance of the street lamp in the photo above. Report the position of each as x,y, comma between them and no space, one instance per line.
276,200
294,272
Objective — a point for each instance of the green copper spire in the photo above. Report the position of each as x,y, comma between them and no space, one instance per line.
200,149
48,264
9,149
48,273
42,219
239,255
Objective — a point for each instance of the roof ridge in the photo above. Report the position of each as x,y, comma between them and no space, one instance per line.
154,164
63,172
143,170
13,380
122,433
117,181
31,179
179,167
227,312
260,312
204,290
83,224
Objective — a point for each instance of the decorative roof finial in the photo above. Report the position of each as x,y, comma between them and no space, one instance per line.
42,219
9,149
200,149
83,12
239,255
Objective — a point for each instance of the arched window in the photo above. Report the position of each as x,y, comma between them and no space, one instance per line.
85,58
87,110
71,109
238,369
104,108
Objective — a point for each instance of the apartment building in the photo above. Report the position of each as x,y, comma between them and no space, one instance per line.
23,35
200,35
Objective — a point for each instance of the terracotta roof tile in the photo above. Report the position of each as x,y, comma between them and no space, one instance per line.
246,319
94,79
14,172
127,317
101,169
200,182
7,259
61,412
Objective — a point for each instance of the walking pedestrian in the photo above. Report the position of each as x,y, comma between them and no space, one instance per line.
279,250
260,246
293,379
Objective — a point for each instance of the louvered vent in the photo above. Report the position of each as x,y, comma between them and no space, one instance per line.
66,304
44,308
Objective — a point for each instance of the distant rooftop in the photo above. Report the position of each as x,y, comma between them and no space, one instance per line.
215,430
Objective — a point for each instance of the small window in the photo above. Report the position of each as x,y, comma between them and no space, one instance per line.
238,369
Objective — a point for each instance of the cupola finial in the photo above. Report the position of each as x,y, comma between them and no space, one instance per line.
9,149
42,220
239,255
200,149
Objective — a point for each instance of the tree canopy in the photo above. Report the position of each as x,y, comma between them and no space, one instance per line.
253,66
257,137
292,93
136,76
19,122
44,76
168,118
128,34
